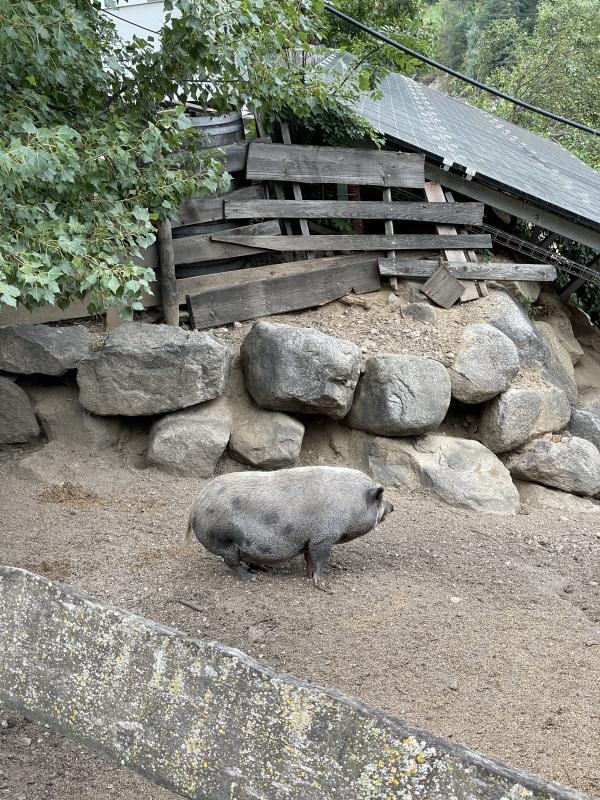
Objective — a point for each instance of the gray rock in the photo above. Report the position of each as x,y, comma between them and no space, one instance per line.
149,369
423,312
543,496
559,369
62,417
461,472
486,364
192,441
522,413
510,318
527,291
266,439
585,420
567,463
400,395
300,369
31,349
53,464
560,321
587,372
17,418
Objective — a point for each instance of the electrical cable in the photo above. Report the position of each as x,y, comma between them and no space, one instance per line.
128,21
382,37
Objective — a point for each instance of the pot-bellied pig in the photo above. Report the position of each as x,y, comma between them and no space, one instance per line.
252,519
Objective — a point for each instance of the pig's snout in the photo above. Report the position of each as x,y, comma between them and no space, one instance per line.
386,508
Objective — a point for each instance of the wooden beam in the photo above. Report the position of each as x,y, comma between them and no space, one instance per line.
282,292
356,242
480,270
199,210
204,247
454,213
168,280
308,164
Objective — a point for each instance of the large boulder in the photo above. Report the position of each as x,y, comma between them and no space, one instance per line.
522,413
587,372
510,318
585,420
461,472
62,417
558,317
149,369
300,369
400,395
266,439
537,495
31,349
559,369
17,418
191,442
486,363
565,462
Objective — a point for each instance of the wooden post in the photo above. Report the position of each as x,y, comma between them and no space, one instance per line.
168,281
296,188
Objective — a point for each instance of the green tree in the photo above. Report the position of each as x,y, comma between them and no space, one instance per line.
91,155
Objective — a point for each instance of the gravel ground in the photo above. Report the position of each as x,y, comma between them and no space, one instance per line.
482,629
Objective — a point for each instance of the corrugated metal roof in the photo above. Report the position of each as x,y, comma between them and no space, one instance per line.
492,150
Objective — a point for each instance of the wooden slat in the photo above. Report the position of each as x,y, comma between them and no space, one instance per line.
287,292
204,247
455,213
307,164
199,210
435,193
356,242
168,279
296,188
389,230
480,270
235,155
443,288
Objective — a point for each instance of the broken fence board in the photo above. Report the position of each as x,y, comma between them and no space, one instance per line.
205,720
308,164
204,247
234,156
199,210
357,242
281,293
443,288
478,270
459,213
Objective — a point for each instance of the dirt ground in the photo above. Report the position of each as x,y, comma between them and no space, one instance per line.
482,629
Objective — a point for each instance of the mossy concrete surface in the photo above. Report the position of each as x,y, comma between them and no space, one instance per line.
206,721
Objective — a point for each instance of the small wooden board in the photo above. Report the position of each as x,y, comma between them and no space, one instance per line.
478,270
284,290
443,288
459,213
308,164
357,242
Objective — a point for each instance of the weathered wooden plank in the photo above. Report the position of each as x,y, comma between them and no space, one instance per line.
357,242
296,188
199,210
207,721
480,270
308,164
281,293
455,213
204,247
168,279
235,155
443,288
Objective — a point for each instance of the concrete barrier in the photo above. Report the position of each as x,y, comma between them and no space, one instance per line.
207,721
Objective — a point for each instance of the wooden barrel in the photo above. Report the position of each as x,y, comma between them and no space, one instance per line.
225,129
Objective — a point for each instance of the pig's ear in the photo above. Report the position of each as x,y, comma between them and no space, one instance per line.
377,493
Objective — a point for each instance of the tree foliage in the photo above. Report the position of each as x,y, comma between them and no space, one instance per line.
91,156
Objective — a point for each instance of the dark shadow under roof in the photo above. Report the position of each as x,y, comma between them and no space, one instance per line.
491,150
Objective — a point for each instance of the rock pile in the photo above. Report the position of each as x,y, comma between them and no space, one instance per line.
529,395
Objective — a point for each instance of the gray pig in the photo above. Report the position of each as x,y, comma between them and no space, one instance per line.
252,519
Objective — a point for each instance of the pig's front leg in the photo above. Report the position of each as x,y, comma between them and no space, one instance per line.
315,563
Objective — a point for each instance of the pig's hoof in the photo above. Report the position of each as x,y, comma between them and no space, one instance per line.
322,585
